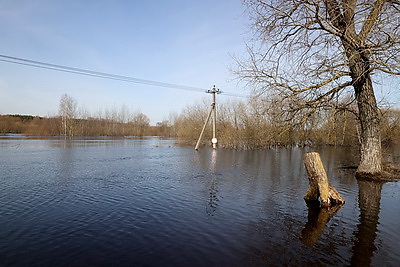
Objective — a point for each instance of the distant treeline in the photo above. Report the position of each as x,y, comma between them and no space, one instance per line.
240,125
53,126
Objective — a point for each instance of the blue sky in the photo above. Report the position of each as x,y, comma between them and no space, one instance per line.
176,41
187,42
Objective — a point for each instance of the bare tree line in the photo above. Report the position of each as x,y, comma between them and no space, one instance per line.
250,125
115,122
74,121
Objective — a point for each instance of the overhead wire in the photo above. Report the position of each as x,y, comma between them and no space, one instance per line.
62,68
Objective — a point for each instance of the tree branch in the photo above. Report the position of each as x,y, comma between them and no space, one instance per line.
371,19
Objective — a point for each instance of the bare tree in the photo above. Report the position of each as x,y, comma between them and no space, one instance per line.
141,122
313,54
67,111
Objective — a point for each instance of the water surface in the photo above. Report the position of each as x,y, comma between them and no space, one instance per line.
154,203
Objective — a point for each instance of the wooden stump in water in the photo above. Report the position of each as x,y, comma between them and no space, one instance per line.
319,185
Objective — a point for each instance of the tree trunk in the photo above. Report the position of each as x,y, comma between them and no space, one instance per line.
368,112
370,150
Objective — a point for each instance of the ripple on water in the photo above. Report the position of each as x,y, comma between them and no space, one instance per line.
126,203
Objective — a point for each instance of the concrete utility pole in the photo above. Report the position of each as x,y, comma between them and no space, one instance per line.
214,112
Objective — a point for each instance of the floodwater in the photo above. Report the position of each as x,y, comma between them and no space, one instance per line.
154,203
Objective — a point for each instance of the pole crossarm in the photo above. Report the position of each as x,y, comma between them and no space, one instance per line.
214,90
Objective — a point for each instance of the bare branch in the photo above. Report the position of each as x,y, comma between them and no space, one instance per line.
371,19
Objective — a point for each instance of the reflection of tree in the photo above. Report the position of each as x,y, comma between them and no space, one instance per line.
369,197
66,160
318,217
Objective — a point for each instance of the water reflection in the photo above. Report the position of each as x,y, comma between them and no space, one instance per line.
66,159
150,203
369,198
213,197
317,219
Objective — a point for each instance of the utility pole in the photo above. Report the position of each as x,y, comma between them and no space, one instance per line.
213,111
214,138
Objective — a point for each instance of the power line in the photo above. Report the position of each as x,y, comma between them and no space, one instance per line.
62,68
56,67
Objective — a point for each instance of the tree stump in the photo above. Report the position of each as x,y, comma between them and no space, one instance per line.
319,185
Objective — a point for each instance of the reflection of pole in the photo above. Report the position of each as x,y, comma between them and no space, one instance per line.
214,125
213,166
213,199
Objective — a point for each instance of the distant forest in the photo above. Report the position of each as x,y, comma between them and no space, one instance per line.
239,125
54,126
253,124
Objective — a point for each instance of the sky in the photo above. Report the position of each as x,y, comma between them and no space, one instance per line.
184,42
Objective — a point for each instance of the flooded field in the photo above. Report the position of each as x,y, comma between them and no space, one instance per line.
154,203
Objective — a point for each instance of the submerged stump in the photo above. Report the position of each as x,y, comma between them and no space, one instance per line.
319,186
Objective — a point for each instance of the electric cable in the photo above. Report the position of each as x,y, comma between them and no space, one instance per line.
62,68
